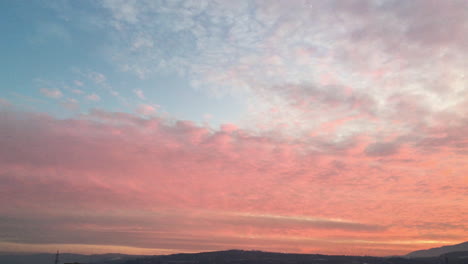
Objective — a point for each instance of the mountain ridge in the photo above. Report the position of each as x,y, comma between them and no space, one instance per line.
435,252
457,254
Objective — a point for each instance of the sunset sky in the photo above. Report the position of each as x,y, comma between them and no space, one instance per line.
156,127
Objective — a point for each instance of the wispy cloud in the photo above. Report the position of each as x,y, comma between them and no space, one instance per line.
346,55
139,93
52,93
97,77
144,109
93,97
71,104
77,91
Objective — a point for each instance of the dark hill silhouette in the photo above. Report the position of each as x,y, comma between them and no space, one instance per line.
435,252
259,257
46,258
234,257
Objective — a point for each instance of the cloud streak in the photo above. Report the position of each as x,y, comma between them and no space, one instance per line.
52,93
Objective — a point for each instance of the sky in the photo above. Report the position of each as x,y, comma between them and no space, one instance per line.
158,127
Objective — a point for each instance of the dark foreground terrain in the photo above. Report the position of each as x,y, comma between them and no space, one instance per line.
232,257
65,258
258,257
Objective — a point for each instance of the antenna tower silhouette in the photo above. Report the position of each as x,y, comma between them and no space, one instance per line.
57,257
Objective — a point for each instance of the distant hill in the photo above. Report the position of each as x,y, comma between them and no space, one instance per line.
46,258
259,257
435,252
233,257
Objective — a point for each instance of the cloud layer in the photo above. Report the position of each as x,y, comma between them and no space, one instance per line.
300,64
117,179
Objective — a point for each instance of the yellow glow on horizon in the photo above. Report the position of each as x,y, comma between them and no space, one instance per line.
82,249
296,218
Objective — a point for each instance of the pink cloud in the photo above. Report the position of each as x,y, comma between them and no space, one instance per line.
156,181
229,128
144,109
93,97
